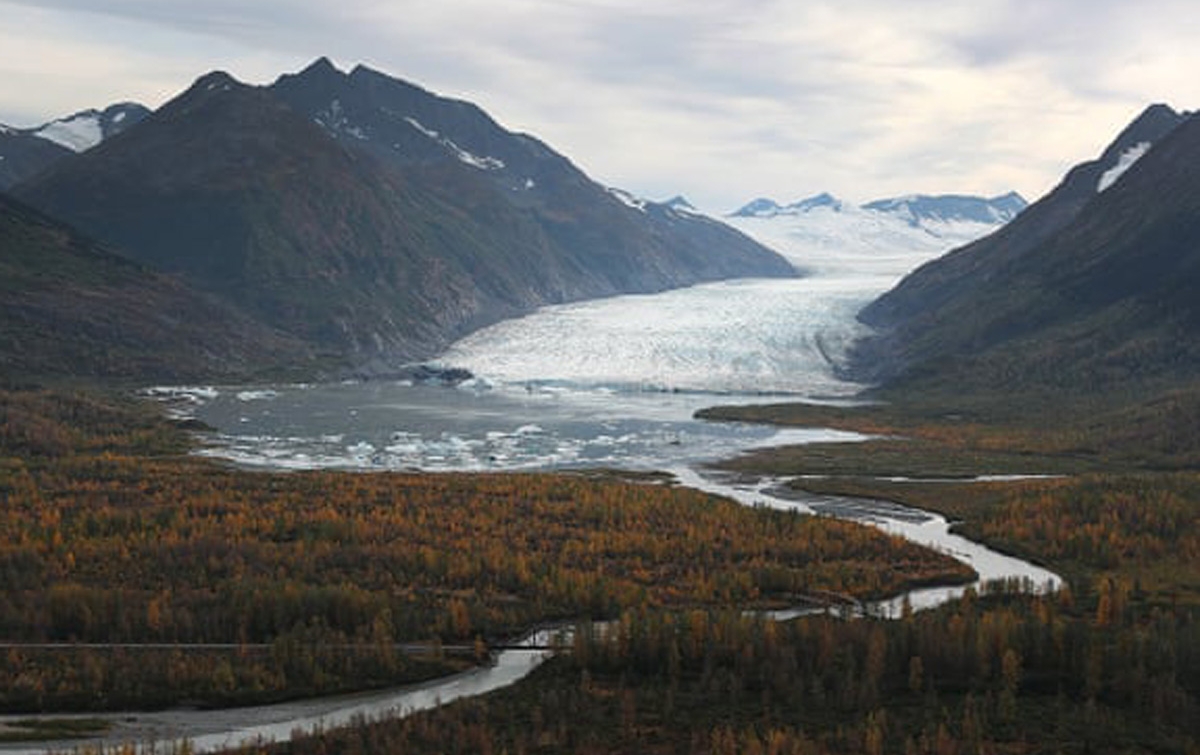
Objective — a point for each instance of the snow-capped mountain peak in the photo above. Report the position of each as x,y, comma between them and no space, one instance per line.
758,208
679,203
821,232
1132,144
918,209
87,128
627,199
77,133
767,208
25,152
822,200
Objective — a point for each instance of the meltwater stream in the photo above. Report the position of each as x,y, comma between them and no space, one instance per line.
220,729
611,383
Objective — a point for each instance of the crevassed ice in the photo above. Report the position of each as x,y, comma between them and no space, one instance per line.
746,337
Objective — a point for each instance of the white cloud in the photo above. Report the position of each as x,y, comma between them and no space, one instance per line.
719,99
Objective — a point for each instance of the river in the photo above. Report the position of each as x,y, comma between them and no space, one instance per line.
213,730
611,383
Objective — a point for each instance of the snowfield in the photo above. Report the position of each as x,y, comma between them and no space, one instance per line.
78,133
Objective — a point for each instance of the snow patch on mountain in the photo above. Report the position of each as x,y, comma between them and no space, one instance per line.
627,199
419,127
1124,163
475,161
333,119
77,133
483,163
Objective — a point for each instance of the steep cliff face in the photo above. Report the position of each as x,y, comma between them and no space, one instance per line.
370,218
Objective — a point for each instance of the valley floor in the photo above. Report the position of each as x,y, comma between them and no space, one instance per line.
1110,664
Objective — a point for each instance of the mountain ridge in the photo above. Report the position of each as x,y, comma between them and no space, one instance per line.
1090,290
361,213
915,208
928,287
25,152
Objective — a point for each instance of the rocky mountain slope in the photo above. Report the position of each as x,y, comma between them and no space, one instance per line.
71,308
371,218
1092,289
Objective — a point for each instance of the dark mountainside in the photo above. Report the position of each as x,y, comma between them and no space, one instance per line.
953,275
608,242
370,218
26,155
69,307
1085,292
25,152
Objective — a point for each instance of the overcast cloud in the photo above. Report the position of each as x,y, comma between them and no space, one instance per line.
720,100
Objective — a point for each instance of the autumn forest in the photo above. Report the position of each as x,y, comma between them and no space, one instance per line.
137,576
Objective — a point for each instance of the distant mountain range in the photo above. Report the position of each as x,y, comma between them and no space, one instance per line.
1091,289
367,218
914,209
819,231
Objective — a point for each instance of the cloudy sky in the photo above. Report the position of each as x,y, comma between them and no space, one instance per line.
721,100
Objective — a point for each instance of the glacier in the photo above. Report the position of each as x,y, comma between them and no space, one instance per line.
606,383
742,337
